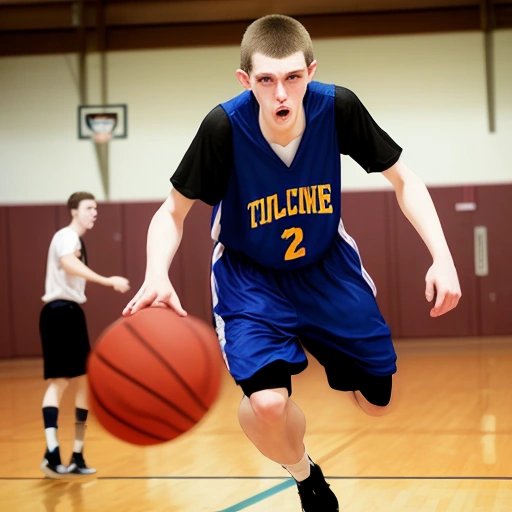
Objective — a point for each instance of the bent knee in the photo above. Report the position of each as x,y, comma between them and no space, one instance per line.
270,404
370,408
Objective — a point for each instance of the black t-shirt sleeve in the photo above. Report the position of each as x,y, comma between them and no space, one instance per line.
360,137
204,171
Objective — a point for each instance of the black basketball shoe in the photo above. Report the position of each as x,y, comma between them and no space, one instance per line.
77,465
315,494
52,466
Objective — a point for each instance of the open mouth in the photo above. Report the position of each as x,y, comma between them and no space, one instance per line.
283,112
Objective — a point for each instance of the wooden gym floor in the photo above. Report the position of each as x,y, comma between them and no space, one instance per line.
447,447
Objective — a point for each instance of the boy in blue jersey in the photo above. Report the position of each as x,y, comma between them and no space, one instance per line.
285,274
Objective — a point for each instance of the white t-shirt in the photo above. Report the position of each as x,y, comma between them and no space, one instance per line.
287,153
60,285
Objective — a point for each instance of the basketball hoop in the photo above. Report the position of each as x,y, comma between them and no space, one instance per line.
102,125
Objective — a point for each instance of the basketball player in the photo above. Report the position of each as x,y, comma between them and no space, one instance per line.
285,273
63,329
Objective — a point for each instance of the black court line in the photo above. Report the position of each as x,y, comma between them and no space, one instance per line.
285,483
328,477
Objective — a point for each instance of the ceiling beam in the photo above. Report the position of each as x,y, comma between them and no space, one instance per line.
56,31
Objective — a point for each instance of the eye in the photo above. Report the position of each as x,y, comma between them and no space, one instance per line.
264,80
294,77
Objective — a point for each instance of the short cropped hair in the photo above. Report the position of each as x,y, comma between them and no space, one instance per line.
76,197
275,36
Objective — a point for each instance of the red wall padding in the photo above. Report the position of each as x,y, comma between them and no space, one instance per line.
391,251
6,335
413,260
29,230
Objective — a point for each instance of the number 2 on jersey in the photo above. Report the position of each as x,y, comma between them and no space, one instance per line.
293,252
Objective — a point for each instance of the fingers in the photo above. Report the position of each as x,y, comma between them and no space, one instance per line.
123,288
439,306
132,307
127,311
120,284
442,286
429,291
144,300
139,301
446,300
175,304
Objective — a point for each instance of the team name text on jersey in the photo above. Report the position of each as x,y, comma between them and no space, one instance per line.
311,199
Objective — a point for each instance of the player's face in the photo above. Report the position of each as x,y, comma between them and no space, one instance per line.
86,213
279,86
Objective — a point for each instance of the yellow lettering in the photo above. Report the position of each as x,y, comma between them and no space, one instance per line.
312,199
273,208
253,207
292,209
307,199
324,199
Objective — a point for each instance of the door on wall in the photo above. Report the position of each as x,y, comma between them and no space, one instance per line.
476,222
412,261
493,257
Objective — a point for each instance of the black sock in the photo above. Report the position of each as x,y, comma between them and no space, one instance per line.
50,417
81,415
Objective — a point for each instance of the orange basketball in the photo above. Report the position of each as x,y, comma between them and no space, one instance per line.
154,375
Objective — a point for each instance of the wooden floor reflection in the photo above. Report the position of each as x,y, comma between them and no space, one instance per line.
447,447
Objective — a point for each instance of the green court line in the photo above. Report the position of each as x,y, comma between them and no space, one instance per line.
290,482
261,496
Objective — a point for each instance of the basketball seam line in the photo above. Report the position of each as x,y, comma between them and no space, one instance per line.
171,369
171,404
202,343
140,430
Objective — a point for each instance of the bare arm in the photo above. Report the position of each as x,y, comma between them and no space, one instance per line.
72,265
164,237
416,204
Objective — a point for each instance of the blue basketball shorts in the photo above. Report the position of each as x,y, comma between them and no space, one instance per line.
266,317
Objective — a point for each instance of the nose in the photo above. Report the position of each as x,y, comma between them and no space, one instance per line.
280,92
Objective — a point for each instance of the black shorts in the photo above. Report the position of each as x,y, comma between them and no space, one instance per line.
64,339
342,375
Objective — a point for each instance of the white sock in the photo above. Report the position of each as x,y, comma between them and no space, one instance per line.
78,446
51,438
301,470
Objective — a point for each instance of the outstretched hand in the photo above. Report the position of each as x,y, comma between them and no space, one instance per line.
119,283
442,284
161,295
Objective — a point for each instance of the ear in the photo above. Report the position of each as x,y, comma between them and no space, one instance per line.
312,70
243,78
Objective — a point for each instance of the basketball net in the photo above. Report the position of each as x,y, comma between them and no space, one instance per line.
102,125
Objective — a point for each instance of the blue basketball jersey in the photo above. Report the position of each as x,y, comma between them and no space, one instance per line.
282,217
